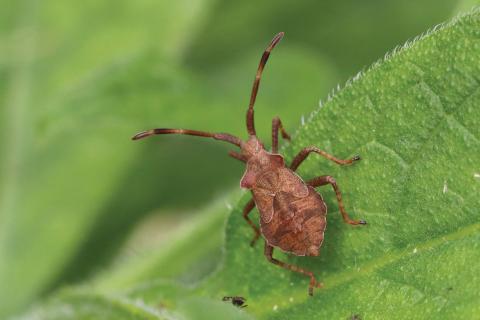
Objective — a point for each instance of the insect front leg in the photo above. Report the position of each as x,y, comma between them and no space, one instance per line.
323,180
277,125
246,210
313,283
305,152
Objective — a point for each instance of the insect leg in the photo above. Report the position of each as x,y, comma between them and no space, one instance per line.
277,125
313,283
323,180
256,82
303,154
237,156
246,210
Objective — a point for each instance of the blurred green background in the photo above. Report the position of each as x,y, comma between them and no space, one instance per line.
78,79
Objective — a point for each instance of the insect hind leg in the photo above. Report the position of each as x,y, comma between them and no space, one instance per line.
323,180
313,283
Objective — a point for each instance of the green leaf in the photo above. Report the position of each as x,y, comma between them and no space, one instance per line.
65,141
414,119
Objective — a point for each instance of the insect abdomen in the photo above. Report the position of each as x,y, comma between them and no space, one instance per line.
298,224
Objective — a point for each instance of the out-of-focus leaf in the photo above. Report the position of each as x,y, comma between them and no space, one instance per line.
191,252
465,5
82,304
350,33
62,151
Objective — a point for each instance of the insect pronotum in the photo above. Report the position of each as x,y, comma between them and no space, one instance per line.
292,213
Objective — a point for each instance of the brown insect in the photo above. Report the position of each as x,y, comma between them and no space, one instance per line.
292,213
236,301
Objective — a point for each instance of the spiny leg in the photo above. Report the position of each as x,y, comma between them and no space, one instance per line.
277,125
256,83
323,180
313,283
237,156
246,211
303,154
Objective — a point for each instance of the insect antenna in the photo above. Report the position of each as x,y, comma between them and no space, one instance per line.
218,136
256,82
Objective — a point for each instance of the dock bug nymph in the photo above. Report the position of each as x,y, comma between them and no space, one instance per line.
292,213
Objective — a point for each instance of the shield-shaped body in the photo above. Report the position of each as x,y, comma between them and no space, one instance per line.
293,214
